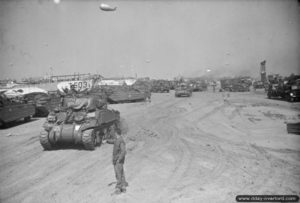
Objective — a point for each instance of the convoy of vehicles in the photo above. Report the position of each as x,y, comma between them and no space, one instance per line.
41,103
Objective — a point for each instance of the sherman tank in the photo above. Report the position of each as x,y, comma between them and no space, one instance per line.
183,90
84,122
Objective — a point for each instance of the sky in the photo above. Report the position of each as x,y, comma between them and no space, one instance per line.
156,39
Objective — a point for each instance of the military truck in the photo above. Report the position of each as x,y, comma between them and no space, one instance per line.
286,88
83,121
258,85
238,84
12,109
160,86
199,85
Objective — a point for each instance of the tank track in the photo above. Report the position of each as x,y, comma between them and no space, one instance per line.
88,139
44,140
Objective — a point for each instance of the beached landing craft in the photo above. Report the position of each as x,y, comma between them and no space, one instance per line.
121,94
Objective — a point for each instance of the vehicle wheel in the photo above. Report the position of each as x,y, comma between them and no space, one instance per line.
89,139
44,140
27,119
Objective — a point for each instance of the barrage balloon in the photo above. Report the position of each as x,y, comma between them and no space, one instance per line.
106,7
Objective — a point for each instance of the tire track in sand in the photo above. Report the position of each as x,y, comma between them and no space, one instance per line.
183,160
151,147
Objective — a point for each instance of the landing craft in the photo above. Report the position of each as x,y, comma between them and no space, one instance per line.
22,91
116,81
106,7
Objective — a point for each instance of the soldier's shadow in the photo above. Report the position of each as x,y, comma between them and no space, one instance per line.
112,183
282,99
71,147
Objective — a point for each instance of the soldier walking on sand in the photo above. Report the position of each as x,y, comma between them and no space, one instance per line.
118,159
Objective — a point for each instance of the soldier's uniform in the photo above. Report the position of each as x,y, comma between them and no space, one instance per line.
118,159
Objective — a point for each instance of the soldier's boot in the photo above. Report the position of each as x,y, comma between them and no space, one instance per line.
117,191
123,189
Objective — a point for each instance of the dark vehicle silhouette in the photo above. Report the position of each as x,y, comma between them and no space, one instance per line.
183,90
12,109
